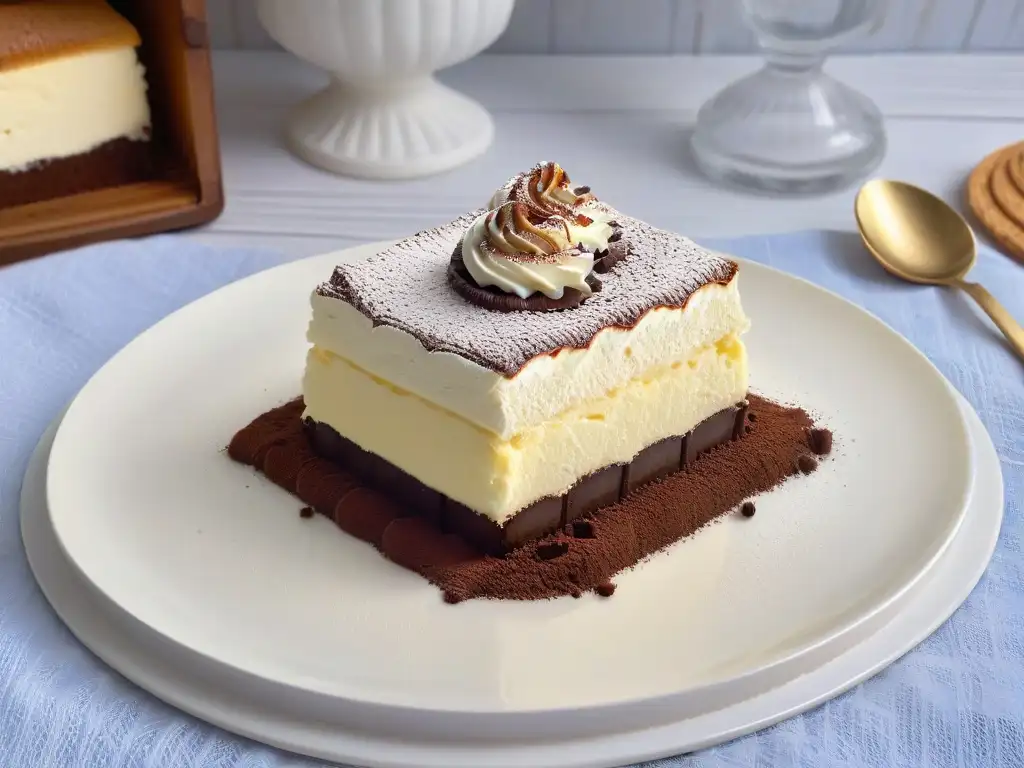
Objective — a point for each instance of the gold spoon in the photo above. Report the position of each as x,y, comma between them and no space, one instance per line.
917,236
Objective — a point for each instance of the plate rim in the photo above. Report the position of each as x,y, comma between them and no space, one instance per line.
847,632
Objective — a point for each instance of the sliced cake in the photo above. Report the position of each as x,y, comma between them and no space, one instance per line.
526,364
73,108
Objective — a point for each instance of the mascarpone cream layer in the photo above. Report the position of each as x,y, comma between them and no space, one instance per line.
70,105
498,476
549,384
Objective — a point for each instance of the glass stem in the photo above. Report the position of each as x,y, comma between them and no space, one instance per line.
806,64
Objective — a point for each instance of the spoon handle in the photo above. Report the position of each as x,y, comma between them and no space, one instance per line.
1003,319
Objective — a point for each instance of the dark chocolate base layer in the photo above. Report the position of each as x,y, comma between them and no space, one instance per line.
117,162
599,489
584,555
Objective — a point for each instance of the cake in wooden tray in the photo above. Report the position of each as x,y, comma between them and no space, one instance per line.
106,122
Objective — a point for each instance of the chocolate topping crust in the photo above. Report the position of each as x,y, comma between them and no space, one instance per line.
406,287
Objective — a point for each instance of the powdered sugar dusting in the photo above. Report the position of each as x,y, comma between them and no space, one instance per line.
406,287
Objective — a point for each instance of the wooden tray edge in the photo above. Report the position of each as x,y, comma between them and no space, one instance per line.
182,209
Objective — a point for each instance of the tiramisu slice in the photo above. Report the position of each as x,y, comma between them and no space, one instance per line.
526,364
73,109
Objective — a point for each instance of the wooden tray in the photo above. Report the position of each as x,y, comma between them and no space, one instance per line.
185,189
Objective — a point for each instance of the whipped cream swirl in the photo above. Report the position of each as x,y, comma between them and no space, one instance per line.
519,250
547,190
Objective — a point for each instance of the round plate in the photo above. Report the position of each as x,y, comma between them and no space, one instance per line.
209,693
216,561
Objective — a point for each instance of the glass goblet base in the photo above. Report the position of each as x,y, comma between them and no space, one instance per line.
785,131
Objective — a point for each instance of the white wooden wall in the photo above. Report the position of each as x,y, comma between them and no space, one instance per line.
690,26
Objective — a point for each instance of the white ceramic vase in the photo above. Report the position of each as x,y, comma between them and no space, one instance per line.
384,116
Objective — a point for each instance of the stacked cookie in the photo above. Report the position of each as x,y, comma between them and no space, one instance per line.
995,192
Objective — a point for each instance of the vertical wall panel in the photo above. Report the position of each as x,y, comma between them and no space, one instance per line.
220,18
613,26
529,30
247,26
898,27
689,26
722,28
999,27
944,26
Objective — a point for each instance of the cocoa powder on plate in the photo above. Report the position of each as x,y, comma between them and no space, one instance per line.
582,557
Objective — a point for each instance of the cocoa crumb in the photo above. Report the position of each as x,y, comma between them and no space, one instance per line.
820,441
806,464
582,529
550,550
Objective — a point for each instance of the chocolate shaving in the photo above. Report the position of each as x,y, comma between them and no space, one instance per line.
617,251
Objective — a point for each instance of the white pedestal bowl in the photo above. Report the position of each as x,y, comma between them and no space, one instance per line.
384,116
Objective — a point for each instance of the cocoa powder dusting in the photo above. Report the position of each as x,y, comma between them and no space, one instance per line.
583,557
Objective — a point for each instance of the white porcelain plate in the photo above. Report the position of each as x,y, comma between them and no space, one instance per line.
207,691
216,563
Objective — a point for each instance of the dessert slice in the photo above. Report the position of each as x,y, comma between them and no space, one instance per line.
73,109
526,364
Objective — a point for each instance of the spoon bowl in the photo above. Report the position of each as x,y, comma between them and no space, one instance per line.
918,237
914,234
